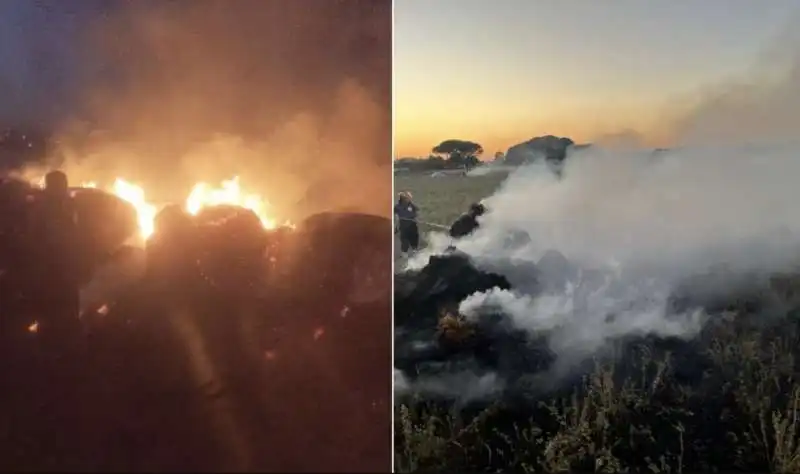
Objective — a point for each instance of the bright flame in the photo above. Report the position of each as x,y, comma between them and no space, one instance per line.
229,193
145,211
202,195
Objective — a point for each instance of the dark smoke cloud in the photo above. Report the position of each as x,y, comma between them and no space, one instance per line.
294,96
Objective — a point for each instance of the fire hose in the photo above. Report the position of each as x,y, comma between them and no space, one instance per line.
429,224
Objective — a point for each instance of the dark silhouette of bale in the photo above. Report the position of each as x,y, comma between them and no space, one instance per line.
430,332
231,241
339,267
105,223
14,196
445,280
171,253
171,220
139,376
343,253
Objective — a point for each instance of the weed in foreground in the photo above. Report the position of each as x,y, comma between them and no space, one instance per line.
732,404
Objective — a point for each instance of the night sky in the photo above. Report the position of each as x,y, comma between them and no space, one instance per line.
50,62
40,57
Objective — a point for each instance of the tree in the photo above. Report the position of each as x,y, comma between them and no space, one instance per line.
460,153
431,163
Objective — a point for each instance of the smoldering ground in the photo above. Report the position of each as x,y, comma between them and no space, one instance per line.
713,216
293,97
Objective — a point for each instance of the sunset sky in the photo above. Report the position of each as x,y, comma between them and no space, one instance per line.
502,71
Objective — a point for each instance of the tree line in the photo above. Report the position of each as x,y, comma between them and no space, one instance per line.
466,154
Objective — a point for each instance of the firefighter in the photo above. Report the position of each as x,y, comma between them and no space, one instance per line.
467,223
406,212
56,260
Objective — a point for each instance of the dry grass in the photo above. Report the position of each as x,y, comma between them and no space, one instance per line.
633,413
744,415
442,200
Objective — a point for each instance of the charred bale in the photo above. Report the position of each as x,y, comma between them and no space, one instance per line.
446,280
430,335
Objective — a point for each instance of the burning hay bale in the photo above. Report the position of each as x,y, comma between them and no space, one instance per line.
445,280
433,330
454,328
232,251
515,388
533,346
222,245
230,242
104,224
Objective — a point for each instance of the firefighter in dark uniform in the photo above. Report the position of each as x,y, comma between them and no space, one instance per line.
467,223
406,212
57,256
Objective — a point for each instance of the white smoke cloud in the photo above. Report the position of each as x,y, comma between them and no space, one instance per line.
636,224
640,223
465,385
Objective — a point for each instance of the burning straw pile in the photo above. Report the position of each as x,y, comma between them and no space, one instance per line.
478,389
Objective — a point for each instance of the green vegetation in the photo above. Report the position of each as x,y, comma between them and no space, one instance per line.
449,154
727,401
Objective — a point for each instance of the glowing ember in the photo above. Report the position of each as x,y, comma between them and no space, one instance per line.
34,327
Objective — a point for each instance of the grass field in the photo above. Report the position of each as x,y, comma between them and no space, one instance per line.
635,413
442,200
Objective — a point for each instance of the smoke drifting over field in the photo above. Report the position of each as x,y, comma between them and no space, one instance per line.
667,217
715,214
292,96
637,226
759,105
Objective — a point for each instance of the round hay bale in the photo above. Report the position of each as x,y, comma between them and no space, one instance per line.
170,252
105,221
347,254
232,241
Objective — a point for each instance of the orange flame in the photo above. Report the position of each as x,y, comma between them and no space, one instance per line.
202,195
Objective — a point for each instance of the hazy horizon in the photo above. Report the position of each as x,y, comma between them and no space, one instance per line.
568,68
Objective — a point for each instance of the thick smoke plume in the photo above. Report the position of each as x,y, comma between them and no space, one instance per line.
292,96
637,226
641,223
715,213
759,104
